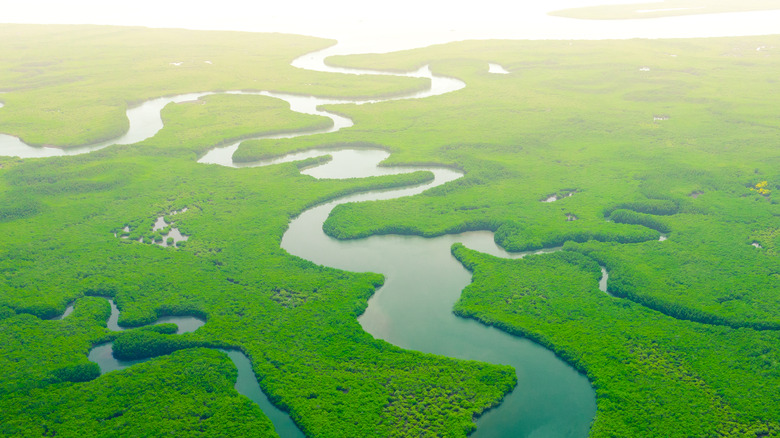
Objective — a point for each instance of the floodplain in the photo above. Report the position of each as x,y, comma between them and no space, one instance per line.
679,143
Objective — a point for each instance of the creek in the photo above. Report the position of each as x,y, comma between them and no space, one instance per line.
145,120
246,382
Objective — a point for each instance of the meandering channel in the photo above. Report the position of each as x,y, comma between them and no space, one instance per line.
145,120
246,381
413,309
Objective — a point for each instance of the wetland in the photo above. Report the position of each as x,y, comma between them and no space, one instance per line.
377,261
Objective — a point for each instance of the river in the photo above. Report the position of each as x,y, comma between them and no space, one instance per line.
413,309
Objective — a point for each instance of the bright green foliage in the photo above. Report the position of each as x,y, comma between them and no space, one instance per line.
189,393
703,272
296,321
142,344
768,239
690,352
219,119
36,352
654,375
554,126
71,85
621,216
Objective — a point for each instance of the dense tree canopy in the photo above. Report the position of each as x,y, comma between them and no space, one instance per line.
687,347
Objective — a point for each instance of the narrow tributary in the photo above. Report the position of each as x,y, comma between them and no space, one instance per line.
246,382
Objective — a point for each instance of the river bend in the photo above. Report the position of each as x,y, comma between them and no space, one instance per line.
413,309
246,381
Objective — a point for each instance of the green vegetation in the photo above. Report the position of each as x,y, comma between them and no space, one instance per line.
69,85
143,344
554,125
687,350
654,375
305,344
666,8
37,353
189,393
203,124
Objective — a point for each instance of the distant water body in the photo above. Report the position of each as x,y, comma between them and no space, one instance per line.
362,27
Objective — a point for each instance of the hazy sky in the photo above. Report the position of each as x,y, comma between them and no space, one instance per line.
372,26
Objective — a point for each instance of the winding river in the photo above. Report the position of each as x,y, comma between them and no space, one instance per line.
413,309
422,281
